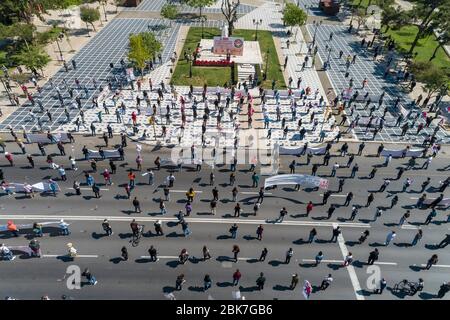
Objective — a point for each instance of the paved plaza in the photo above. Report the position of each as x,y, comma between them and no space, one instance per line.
156,5
366,67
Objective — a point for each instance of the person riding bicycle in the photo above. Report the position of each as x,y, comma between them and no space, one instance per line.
364,236
184,255
134,227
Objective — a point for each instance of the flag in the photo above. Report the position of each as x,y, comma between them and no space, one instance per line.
307,289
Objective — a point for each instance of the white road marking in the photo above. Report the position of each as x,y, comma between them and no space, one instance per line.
65,255
184,191
350,268
254,192
341,261
437,265
193,220
176,257
336,195
410,227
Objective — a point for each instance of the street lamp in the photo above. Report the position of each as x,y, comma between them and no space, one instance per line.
202,20
316,24
327,63
267,64
60,37
190,59
257,23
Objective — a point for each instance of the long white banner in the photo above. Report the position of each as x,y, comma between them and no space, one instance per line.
301,179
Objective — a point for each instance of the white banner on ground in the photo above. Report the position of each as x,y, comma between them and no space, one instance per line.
93,154
301,179
42,137
399,153
4,227
44,186
318,150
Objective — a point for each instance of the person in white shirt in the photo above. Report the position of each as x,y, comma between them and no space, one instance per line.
6,253
391,236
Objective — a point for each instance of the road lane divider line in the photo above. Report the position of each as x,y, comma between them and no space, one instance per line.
193,220
437,265
65,255
350,268
254,192
341,261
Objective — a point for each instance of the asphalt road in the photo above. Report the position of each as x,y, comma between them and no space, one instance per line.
138,278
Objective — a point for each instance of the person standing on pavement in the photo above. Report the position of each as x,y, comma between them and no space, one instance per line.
432,261
206,254
383,285
331,209
326,282
137,205
309,208
294,281
124,253
336,233
153,254
236,277
107,227
326,195
259,232
263,255
233,231
283,213
318,258
289,255
235,252
261,279
373,256
391,236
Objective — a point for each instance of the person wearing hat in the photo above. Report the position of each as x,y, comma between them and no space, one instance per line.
64,228
72,252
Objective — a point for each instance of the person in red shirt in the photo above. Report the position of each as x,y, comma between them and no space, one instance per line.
236,276
309,208
107,177
9,157
134,118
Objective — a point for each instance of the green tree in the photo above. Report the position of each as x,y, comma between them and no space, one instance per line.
33,57
393,18
361,18
422,16
138,54
169,11
151,44
434,79
200,4
89,16
118,3
442,26
293,16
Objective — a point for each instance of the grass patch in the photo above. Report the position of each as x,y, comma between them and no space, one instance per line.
213,76
425,47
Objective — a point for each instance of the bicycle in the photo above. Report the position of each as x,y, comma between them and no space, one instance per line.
137,236
407,287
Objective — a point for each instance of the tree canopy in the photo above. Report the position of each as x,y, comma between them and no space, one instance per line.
294,16
169,11
89,15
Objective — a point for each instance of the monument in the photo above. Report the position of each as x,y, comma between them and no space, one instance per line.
228,45
224,51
